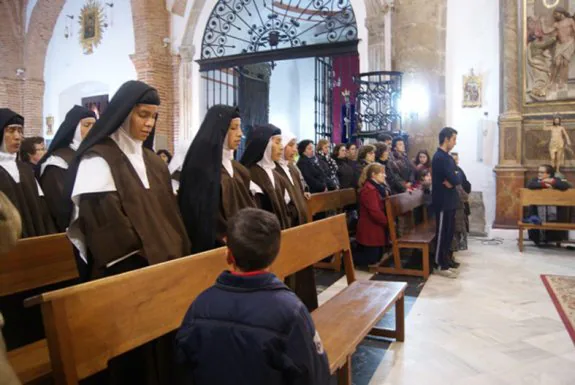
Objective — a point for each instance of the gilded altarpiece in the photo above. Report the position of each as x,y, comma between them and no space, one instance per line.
538,84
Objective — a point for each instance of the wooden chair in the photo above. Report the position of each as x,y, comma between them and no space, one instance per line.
547,197
330,201
34,263
417,237
81,341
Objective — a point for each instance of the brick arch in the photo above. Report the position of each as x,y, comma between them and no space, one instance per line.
40,31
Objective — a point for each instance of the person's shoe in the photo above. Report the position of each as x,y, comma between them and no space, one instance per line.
454,264
447,273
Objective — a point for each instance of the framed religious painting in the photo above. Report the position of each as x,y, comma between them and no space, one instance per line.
548,51
92,25
96,103
472,90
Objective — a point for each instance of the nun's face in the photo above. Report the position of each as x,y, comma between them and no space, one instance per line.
86,125
277,148
142,121
290,150
13,135
235,134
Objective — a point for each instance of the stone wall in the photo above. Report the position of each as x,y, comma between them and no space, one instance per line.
418,47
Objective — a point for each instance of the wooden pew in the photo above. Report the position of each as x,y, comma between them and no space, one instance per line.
81,341
417,237
546,197
330,201
34,263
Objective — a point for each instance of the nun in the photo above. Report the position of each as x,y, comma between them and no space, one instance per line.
17,179
213,186
303,282
264,148
52,169
124,213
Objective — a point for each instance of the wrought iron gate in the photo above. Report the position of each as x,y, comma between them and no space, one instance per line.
323,98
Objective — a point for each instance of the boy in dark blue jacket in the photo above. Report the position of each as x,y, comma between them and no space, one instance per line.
445,200
249,328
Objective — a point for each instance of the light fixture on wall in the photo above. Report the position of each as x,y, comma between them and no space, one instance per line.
69,29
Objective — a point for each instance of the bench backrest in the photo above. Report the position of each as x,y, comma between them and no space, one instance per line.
89,324
547,197
330,200
404,203
36,262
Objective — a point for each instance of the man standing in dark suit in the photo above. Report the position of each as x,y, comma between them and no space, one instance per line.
445,199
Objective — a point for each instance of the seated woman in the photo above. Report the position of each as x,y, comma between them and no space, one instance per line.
372,226
546,179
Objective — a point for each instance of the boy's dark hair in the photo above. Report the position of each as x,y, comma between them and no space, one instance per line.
254,238
395,140
28,147
380,148
550,170
446,133
383,137
166,153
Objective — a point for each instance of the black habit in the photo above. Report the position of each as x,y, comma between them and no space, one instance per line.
131,219
272,196
209,196
25,195
53,178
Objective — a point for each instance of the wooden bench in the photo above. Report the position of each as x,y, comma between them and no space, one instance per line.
81,341
34,263
336,200
546,197
418,236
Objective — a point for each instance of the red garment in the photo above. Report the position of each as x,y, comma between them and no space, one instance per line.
372,222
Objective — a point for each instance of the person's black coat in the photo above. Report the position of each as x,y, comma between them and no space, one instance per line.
250,330
345,173
466,187
312,174
537,184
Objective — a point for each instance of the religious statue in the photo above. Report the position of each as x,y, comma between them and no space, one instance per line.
563,30
539,63
558,143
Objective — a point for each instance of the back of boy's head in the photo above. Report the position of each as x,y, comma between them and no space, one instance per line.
254,239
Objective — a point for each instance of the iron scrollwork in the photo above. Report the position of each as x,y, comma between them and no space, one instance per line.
247,26
377,102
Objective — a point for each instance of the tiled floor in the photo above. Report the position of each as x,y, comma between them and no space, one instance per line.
493,325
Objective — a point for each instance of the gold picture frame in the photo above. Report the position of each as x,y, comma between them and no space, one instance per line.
92,25
472,90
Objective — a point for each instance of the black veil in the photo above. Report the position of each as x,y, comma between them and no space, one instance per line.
7,118
200,178
257,143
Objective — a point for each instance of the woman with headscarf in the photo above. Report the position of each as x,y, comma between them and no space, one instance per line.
263,150
213,186
17,179
52,169
124,214
304,285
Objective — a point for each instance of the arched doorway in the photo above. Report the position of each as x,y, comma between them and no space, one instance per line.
245,43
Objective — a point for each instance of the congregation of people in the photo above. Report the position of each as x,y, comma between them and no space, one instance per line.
125,207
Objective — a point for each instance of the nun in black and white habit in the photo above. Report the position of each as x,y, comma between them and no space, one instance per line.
264,148
213,186
124,213
52,169
17,180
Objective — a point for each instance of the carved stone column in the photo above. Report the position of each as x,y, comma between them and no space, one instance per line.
376,41
185,91
510,172
418,46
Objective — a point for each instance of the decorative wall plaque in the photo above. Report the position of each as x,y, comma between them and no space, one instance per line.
472,90
92,25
